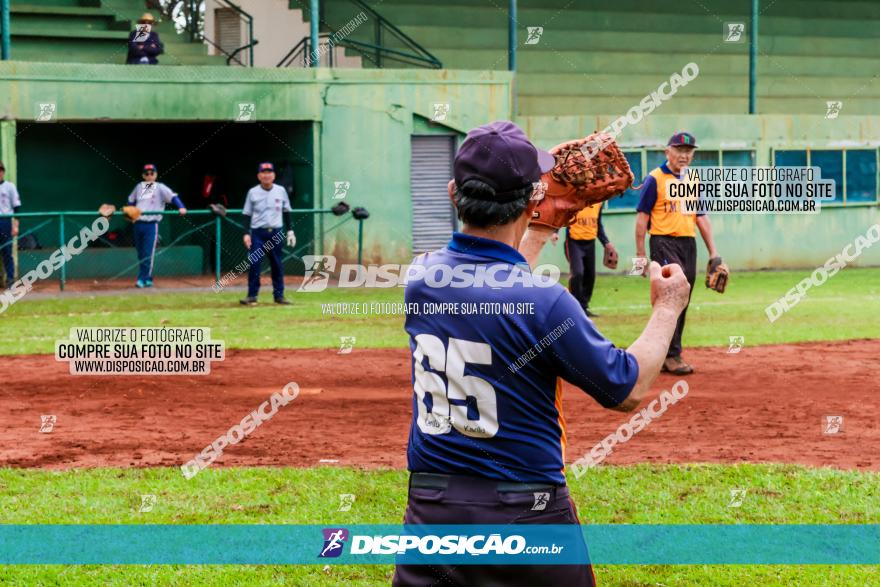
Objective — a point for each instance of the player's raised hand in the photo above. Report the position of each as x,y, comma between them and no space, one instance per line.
669,286
247,241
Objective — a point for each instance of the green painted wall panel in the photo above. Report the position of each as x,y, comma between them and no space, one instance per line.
753,241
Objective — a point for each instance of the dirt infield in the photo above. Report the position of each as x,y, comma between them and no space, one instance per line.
763,404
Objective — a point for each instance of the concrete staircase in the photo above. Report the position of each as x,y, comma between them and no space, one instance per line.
596,57
92,31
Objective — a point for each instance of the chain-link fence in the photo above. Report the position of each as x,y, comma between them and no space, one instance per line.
196,249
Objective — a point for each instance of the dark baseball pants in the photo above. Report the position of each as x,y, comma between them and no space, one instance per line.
581,255
271,240
681,250
6,249
146,236
471,500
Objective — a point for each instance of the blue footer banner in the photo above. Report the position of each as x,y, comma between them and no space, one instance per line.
611,544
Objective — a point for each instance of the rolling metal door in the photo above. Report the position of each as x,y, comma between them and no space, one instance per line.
227,30
430,172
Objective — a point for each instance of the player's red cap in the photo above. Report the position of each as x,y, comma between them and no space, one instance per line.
148,167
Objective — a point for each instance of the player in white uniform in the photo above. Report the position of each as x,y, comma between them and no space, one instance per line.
150,196
10,202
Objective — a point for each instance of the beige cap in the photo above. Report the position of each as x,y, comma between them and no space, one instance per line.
146,16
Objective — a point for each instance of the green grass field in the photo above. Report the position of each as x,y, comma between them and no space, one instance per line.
843,308
642,494
32,326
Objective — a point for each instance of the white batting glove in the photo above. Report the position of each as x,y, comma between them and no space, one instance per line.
291,239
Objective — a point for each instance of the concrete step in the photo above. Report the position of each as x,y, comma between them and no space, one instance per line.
542,104
811,9
651,63
438,37
639,85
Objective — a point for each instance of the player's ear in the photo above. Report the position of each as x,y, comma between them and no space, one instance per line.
451,188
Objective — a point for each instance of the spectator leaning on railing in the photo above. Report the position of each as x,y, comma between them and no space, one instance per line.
143,43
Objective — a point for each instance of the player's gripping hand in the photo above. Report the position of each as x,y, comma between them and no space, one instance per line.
291,239
669,287
182,211
247,241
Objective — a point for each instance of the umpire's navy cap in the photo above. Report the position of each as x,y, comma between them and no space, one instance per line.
500,155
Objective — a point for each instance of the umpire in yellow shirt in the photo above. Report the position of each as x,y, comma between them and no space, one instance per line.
580,250
673,236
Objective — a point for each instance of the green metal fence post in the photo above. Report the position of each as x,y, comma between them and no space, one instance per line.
314,17
511,36
4,24
217,248
360,240
61,244
753,59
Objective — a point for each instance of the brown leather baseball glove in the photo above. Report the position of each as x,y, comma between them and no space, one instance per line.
717,275
610,258
131,213
107,210
587,171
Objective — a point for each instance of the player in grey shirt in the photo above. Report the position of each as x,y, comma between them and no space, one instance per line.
150,196
266,211
10,202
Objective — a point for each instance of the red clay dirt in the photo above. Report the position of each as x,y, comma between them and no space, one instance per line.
765,404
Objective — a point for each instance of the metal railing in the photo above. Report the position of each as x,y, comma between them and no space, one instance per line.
195,25
199,244
376,52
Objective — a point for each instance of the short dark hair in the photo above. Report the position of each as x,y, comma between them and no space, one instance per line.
476,206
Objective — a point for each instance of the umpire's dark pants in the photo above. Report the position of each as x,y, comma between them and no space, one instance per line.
681,250
6,249
581,255
271,241
472,500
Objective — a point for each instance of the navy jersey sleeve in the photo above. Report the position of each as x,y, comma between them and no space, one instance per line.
585,358
648,195
603,238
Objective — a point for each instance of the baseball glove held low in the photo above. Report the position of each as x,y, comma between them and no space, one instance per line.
587,171
131,213
717,275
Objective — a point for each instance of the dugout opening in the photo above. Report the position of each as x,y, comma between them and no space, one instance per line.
78,166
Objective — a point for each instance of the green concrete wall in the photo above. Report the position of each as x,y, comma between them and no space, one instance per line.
356,126
745,241
361,123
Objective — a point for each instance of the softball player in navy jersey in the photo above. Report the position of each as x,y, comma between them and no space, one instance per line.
150,196
487,439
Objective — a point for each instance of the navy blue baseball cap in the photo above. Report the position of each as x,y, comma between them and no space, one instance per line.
148,167
266,166
682,139
500,155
